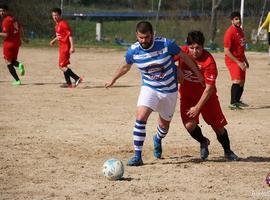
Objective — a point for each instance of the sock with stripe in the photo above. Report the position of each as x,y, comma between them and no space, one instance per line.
139,134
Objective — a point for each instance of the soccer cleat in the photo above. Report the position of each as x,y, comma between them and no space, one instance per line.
78,81
157,147
21,69
231,156
204,149
242,104
17,82
235,106
135,161
65,85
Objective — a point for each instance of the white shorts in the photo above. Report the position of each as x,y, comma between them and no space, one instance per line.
159,102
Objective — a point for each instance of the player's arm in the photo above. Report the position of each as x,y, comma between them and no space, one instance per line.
72,48
2,34
23,38
246,61
242,65
208,91
192,66
119,72
53,41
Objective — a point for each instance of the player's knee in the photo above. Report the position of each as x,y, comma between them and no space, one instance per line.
190,126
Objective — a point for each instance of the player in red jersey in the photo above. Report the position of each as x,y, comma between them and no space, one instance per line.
11,32
196,99
66,46
235,59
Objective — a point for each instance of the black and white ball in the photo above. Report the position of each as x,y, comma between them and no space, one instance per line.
113,169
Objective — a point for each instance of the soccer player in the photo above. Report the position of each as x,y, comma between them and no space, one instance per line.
266,24
11,32
195,99
154,58
235,59
66,47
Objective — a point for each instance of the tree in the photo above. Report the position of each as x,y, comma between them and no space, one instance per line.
213,23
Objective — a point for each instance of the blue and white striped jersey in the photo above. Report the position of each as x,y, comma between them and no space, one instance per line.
156,64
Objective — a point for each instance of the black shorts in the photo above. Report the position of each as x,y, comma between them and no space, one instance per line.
269,38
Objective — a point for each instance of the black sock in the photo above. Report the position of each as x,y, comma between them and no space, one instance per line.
197,135
13,72
72,74
239,93
234,91
224,141
15,63
67,77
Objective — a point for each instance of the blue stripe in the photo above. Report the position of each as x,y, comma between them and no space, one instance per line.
140,127
140,122
161,79
138,133
162,86
138,143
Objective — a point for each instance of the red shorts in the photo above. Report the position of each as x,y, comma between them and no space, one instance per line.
235,71
64,56
211,111
10,52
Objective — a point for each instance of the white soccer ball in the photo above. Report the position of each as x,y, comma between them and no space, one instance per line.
113,169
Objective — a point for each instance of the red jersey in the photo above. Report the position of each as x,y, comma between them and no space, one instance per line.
207,67
234,39
11,26
63,32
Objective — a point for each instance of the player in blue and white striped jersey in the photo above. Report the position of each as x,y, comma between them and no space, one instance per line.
154,58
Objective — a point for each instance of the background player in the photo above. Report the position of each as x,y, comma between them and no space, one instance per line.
11,32
266,24
235,59
154,58
196,99
66,46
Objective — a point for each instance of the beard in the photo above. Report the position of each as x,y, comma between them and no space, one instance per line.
146,45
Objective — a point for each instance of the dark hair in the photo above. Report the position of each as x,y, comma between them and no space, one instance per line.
195,37
144,27
235,14
57,10
4,7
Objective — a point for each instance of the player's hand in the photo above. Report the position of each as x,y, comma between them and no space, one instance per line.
52,42
109,84
72,50
193,112
242,65
25,40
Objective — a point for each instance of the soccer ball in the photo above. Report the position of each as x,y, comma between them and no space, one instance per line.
113,169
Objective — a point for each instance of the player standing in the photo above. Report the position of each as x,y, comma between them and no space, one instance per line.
196,99
66,47
154,58
11,32
235,59
266,24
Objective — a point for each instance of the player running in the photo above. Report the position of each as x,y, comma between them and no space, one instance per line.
154,58
197,99
11,32
235,59
66,47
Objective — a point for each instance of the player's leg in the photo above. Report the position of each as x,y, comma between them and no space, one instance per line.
139,134
16,63
66,75
191,125
223,138
8,52
165,108
76,78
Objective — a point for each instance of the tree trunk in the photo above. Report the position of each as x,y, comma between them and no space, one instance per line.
213,23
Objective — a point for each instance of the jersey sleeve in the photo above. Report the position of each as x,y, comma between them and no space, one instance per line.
129,56
6,26
228,39
266,21
66,28
210,73
173,48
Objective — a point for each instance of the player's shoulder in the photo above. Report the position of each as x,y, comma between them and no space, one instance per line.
134,46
